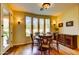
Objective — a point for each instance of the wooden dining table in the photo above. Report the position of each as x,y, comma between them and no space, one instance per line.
38,37
46,36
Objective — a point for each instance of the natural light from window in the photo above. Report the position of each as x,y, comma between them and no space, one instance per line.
5,32
47,25
28,26
41,24
35,25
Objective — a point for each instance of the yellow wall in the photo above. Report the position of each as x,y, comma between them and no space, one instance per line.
71,14
53,21
19,29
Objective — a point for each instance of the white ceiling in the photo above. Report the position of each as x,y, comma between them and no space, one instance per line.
55,9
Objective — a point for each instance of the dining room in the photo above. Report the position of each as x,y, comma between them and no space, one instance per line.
39,29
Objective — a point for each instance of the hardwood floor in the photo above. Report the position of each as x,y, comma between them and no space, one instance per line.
27,50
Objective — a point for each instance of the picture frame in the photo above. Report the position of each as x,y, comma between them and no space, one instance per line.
70,23
60,24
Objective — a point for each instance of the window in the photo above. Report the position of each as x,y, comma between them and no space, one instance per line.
47,25
5,31
28,26
41,25
5,28
35,25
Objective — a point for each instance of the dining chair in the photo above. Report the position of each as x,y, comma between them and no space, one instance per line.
31,35
45,45
34,43
56,41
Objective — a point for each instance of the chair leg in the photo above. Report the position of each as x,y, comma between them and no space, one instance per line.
49,49
57,47
44,52
49,52
41,52
32,47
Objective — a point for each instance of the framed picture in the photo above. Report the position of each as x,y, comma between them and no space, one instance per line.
70,23
60,24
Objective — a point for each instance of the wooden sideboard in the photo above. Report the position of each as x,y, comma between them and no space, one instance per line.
71,41
67,40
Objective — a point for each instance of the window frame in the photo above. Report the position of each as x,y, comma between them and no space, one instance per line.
26,26
38,18
49,25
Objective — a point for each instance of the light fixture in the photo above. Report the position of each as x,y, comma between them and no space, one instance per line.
45,6
19,21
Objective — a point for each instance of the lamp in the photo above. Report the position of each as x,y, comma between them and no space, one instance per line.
19,21
45,6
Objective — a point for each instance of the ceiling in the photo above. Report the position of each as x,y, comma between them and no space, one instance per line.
55,9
